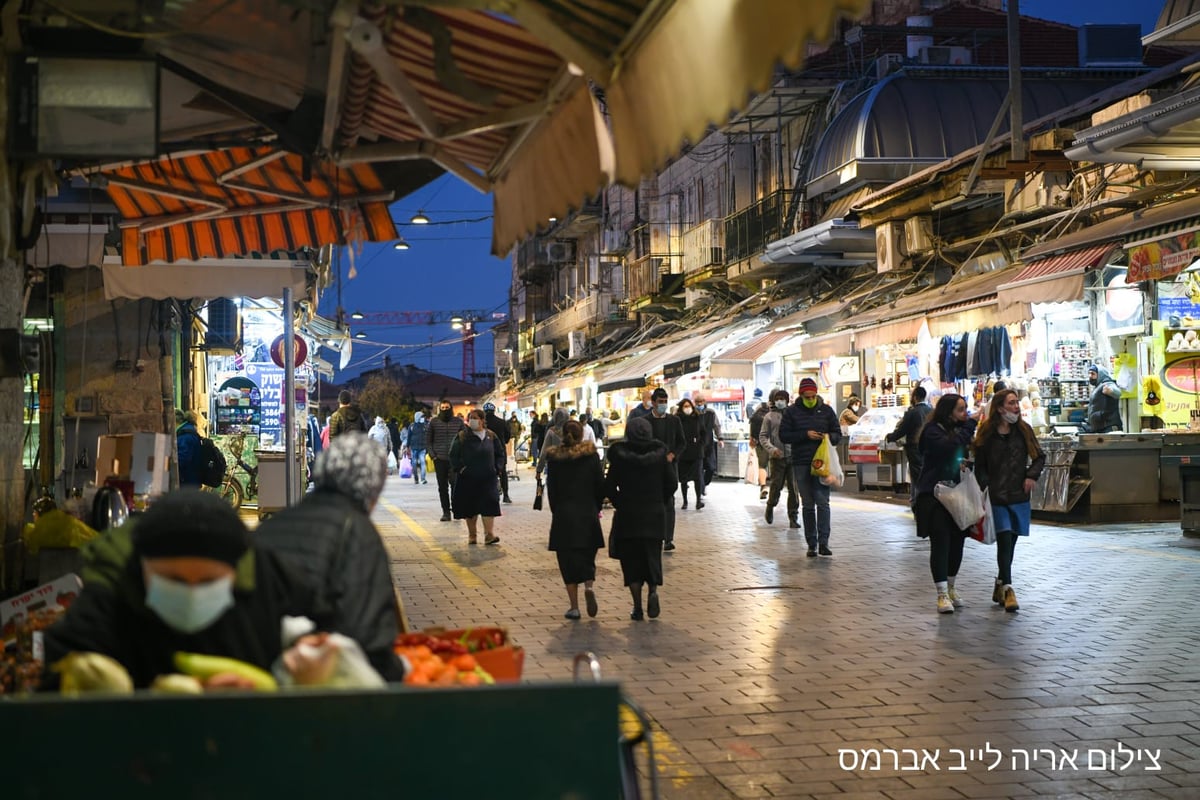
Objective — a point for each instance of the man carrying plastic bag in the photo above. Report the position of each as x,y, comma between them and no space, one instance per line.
807,425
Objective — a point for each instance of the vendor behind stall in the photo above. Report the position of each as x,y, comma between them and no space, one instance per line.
184,579
1104,406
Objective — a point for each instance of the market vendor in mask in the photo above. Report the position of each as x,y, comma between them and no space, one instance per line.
184,579
1104,406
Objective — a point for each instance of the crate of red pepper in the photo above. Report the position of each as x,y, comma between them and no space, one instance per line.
489,645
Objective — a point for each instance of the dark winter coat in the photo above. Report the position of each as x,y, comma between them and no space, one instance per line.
942,454
347,419
575,491
442,434
476,464
668,430
1104,410
756,421
394,431
110,615
499,427
639,483
330,540
188,441
416,435
798,420
909,429
1002,464
693,444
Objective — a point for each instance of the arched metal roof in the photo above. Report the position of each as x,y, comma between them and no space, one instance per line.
917,117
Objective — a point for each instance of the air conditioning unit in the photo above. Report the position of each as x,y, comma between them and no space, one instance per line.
543,357
943,55
888,237
223,334
1110,45
554,251
886,64
1048,191
918,235
613,243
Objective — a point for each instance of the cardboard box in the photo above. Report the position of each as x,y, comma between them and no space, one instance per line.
503,661
57,593
143,458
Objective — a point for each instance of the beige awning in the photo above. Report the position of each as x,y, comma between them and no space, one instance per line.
505,100
738,363
205,279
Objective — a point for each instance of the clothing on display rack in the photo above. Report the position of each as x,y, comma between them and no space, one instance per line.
987,351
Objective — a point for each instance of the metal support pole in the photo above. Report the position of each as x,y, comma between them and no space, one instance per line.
1016,120
289,399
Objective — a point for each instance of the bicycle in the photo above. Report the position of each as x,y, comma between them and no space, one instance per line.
231,489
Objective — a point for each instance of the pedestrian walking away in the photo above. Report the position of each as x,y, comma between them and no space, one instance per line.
537,430
1008,462
442,433
498,426
416,447
348,417
665,427
909,429
397,438
690,463
944,445
760,453
575,490
780,471
641,486
805,423
710,438
329,538
187,442
552,437
476,457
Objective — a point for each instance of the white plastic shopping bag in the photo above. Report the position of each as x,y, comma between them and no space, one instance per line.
984,531
964,500
836,477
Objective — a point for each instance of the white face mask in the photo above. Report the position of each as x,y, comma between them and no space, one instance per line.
687,409
475,424
781,404
188,608
1010,417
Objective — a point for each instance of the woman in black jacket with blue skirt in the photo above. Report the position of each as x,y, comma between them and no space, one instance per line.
575,489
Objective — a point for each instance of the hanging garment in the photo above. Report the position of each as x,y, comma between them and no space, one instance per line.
1004,351
985,353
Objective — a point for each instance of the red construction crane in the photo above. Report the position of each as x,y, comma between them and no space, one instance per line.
464,320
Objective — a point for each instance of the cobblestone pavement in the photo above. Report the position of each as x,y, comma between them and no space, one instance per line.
770,674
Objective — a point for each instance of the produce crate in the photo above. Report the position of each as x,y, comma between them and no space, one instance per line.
492,650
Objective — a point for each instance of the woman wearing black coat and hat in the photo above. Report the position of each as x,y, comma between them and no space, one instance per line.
640,483
575,489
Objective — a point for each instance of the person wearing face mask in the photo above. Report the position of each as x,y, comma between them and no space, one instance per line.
1104,406
804,424
330,540
944,443
909,429
416,447
477,457
710,439
183,577
689,457
443,429
780,472
665,427
1008,462
644,408
851,413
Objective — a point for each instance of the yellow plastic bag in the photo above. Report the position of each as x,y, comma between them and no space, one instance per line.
429,465
56,528
820,462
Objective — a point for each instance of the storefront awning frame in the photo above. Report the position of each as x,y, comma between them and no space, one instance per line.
1058,278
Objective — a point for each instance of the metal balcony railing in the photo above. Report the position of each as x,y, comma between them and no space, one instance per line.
748,231
593,308
704,246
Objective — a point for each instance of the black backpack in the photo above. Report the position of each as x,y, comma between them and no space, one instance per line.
210,463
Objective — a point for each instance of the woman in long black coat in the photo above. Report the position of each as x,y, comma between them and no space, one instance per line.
477,457
689,460
575,489
640,483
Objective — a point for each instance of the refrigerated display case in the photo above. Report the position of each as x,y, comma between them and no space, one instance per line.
878,462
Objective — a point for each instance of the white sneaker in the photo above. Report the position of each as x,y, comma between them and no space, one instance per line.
954,598
944,606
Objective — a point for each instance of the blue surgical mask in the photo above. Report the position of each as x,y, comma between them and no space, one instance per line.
188,608
661,408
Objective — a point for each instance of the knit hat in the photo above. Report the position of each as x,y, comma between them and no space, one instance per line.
807,385
191,523
757,394
638,430
353,466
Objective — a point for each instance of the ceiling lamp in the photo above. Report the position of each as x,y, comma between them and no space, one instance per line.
358,315
419,218
400,244
360,335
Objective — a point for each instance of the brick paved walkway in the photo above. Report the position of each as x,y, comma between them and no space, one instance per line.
773,675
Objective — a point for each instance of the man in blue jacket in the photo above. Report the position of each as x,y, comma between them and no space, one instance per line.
804,424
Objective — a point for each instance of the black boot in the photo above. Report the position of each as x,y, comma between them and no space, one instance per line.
635,589
684,506
792,521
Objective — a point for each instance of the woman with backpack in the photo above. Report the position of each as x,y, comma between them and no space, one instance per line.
476,458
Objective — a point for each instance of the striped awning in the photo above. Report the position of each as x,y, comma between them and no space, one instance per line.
1055,279
738,362
244,201
511,102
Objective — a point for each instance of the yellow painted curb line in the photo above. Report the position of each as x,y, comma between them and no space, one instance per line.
464,575
668,760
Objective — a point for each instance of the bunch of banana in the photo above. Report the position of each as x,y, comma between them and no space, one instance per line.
92,672
203,667
177,684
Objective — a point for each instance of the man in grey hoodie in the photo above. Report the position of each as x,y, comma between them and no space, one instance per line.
780,472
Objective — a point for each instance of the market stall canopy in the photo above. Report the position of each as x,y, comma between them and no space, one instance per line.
632,373
738,362
500,92
1055,279
205,279
1159,136
241,201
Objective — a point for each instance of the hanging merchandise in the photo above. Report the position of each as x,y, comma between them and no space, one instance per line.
1125,372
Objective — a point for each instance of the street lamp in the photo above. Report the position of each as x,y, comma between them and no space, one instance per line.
360,335
358,315
419,218
456,322
400,244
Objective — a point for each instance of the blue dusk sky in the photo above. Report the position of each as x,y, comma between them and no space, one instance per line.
450,267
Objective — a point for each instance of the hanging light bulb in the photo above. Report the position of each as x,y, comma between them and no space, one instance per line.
400,244
358,315
419,218
360,335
